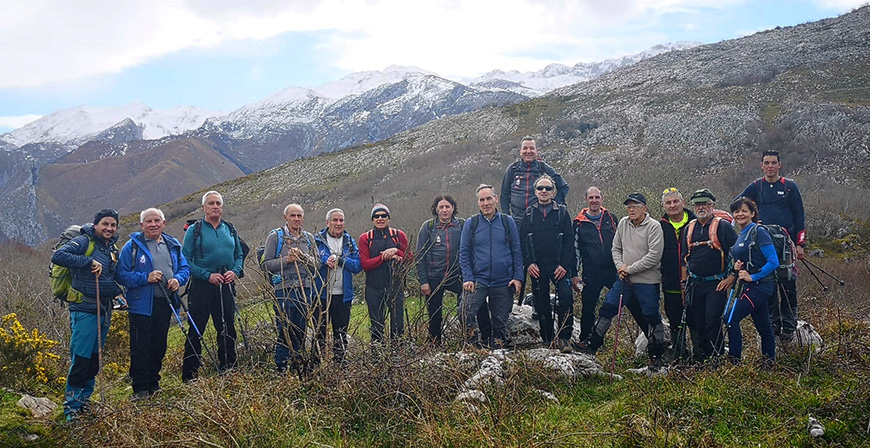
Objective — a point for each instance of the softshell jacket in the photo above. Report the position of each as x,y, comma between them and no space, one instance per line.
495,261
780,203
378,273
639,247
542,233
215,249
133,272
349,261
672,256
517,191
438,250
592,244
72,255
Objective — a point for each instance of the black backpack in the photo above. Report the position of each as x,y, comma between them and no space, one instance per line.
784,247
197,239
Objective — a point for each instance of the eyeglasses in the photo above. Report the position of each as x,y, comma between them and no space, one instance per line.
544,188
634,206
380,216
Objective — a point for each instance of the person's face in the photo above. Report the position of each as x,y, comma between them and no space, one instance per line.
445,210
743,216
381,219
528,151
594,200
213,206
771,166
153,225
106,228
486,201
335,224
636,211
673,205
294,217
703,210
545,191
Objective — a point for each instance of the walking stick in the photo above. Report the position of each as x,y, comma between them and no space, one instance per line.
625,283
192,324
809,263
99,341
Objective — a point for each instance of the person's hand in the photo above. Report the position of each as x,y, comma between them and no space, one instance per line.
799,251
622,271
468,286
229,277
744,275
738,265
330,262
425,289
216,279
172,285
725,284
154,276
534,271
389,254
577,284
516,285
559,273
96,268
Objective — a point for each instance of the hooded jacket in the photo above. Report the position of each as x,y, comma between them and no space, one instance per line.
593,242
438,250
133,273
349,261
72,255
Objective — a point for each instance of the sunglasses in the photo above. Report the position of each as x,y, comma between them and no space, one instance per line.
544,188
380,216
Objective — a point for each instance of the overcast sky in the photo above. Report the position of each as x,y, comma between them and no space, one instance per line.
221,54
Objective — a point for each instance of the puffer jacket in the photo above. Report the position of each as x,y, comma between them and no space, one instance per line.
72,255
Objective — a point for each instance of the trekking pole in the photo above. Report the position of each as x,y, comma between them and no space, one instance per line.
739,289
625,283
818,280
186,334
727,324
99,342
809,263
223,336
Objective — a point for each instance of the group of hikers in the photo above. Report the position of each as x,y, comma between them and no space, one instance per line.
708,269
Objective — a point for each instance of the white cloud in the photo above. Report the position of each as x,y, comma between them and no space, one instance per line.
841,5
14,122
54,41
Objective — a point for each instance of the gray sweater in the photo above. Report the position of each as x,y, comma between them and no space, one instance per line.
640,248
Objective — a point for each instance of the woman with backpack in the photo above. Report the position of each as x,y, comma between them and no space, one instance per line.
755,263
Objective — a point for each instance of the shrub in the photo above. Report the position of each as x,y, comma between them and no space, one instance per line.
26,363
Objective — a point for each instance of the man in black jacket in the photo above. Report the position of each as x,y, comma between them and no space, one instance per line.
548,256
673,221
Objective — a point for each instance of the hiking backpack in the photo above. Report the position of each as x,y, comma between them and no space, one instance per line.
394,235
712,243
784,246
197,235
60,276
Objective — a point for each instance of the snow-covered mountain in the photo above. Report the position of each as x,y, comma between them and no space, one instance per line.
74,126
555,76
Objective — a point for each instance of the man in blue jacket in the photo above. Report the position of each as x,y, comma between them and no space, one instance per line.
86,270
339,261
492,266
150,258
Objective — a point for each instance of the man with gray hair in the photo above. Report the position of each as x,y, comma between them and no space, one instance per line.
152,268
291,259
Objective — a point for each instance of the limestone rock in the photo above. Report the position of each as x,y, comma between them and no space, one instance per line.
39,406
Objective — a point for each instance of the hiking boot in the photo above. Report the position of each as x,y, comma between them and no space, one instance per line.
655,364
141,395
565,346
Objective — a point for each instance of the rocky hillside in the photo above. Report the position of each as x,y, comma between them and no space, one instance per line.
691,119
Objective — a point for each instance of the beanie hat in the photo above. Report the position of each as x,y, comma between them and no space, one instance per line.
380,207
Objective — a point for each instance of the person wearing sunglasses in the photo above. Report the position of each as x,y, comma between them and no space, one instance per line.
548,256
381,250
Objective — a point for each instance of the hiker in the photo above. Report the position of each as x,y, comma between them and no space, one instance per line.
152,269
92,275
339,261
594,228
779,202
707,273
548,255
492,266
214,253
291,258
755,262
382,251
673,222
517,187
637,253
438,263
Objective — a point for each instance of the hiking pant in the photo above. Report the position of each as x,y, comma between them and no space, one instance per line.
148,345
564,305
673,304
206,300
435,305
753,301
783,308
293,308
705,310
84,356
647,297
336,311
381,301
592,286
500,304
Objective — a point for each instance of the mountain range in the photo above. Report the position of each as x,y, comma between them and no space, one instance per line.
51,165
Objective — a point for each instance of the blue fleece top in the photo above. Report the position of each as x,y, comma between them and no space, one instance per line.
760,250
215,250
495,261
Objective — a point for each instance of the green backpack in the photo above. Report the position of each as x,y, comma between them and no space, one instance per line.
61,279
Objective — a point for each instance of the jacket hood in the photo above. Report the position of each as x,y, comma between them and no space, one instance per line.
581,217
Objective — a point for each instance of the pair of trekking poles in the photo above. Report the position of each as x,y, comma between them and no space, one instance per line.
811,266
